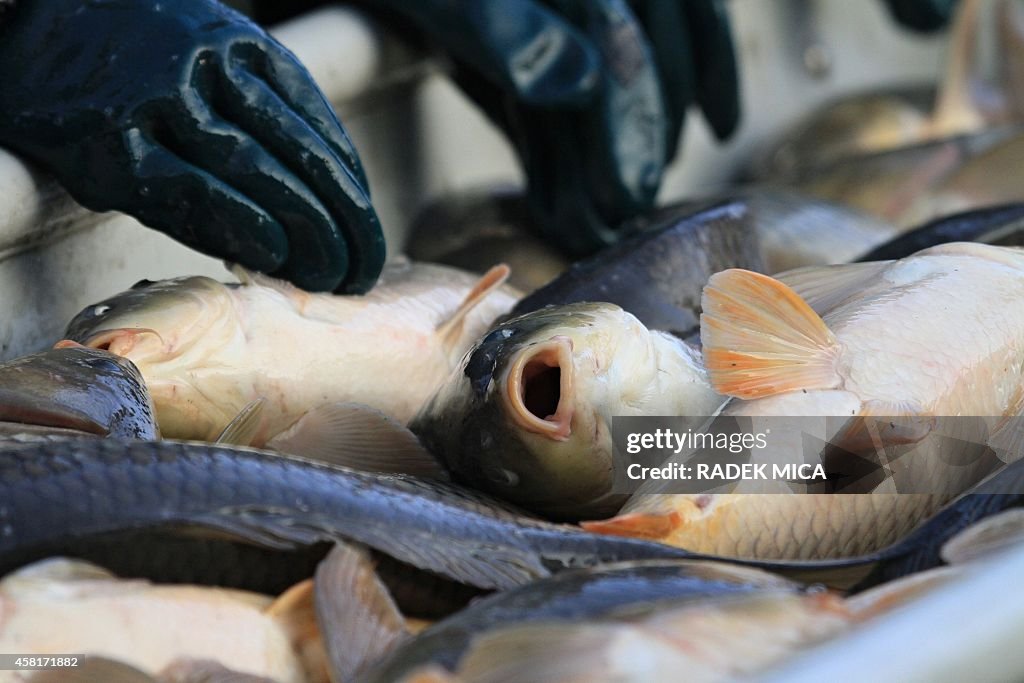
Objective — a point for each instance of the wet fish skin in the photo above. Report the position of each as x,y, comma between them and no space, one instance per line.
848,127
279,502
528,415
81,389
208,349
1002,225
897,186
61,605
921,549
963,359
657,274
796,230
573,596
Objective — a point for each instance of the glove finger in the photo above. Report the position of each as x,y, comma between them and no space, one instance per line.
251,103
924,16
717,87
230,154
190,205
520,44
623,131
294,85
557,191
668,31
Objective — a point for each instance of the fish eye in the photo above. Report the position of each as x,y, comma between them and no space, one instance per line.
500,334
100,309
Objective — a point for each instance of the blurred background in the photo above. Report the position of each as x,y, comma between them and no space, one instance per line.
420,140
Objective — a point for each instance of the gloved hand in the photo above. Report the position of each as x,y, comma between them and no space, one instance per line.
922,15
592,95
193,120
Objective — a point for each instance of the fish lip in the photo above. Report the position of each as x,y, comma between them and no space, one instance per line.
118,341
554,353
13,412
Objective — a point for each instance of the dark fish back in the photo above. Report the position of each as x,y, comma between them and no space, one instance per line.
58,493
571,596
1002,225
658,274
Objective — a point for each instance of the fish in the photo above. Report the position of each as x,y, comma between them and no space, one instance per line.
475,230
796,230
848,341
899,186
168,494
278,502
61,605
574,595
75,391
878,121
527,416
1002,225
657,273
625,591
846,127
717,639
207,350
982,180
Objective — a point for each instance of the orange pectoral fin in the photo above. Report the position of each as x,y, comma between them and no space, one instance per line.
652,525
760,338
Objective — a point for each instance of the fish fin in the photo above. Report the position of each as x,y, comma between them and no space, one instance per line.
359,437
540,653
68,344
826,287
449,330
204,671
242,430
760,338
991,535
91,670
359,620
471,562
955,109
296,613
250,278
271,529
652,525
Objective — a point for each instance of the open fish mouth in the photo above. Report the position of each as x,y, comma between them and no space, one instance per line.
119,341
540,388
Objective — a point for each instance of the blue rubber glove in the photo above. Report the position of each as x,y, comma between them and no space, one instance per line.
592,95
191,118
923,16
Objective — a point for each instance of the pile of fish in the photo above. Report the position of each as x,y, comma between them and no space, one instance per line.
242,481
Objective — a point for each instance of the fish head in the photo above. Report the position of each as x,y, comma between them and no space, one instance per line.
174,331
527,415
72,390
